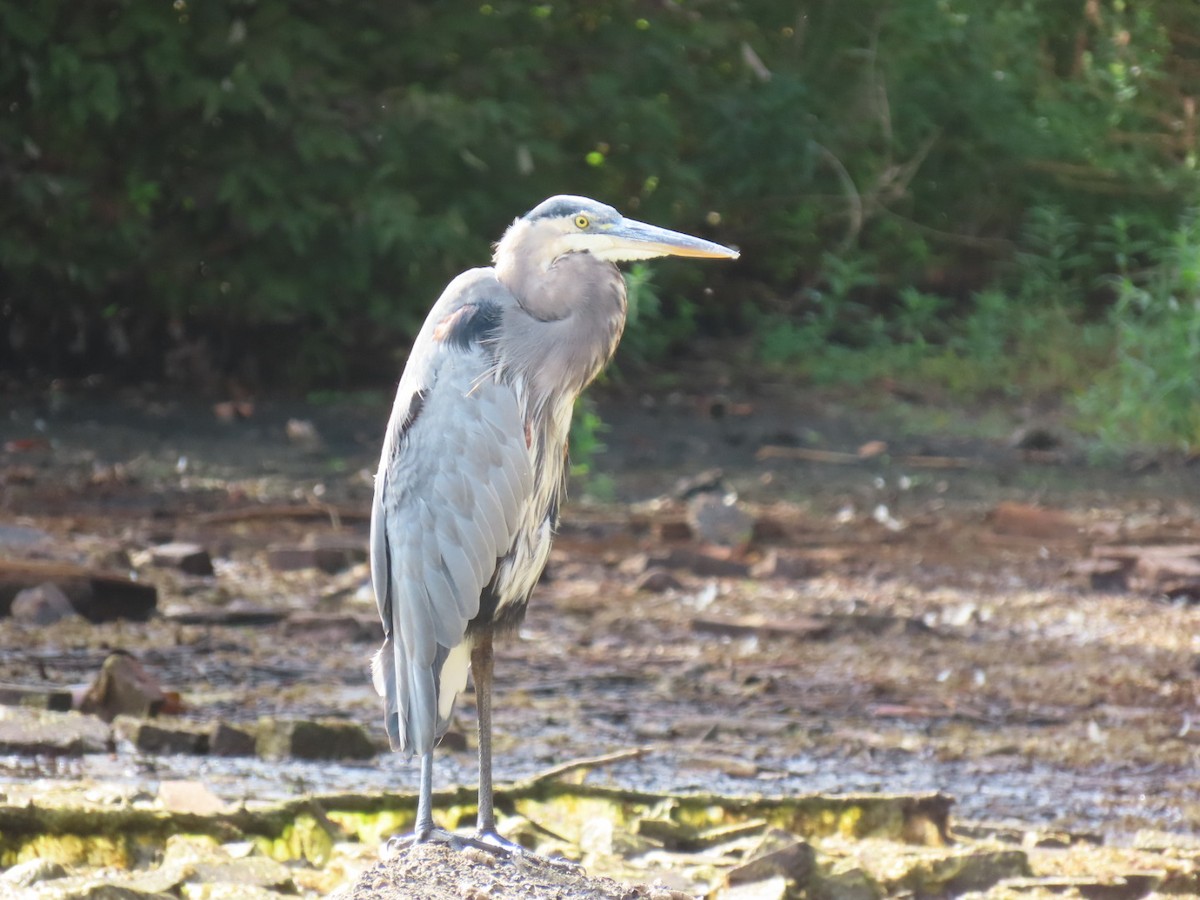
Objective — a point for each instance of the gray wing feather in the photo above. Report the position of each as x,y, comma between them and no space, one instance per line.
450,496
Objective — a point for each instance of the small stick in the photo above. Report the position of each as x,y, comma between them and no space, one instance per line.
839,458
588,763
336,514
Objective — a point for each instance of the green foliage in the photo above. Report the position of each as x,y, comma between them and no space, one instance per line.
652,329
1151,394
933,188
585,441
1024,335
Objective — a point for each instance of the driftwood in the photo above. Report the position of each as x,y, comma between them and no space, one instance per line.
841,458
100,595
334,513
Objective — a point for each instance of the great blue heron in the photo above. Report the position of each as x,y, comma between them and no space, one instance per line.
474,465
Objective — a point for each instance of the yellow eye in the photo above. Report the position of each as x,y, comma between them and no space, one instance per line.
581,222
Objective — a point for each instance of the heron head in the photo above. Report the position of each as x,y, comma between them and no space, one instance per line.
568,224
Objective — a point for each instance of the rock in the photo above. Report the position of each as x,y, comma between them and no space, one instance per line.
329,553
191,559
189,797
123,687
159,738
198,866
633,565
228,740
31,872
845,882
1109,576
303,433
657,581
42,605
189,848
720,519
97,595
937,871
54,699
301,739
338,551
33,731
706,481
1158,841
778,854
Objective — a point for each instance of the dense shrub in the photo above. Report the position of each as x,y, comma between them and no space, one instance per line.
183,179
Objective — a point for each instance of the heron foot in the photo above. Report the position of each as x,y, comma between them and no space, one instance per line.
492,844
493,840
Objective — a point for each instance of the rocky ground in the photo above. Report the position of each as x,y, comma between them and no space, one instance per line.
969,656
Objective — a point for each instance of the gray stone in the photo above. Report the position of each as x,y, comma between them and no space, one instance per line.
778,854
301,739
328,552
159,737
51,698
31,872
657,581
191,559
33,731
228,740
720,519
42,605
123,687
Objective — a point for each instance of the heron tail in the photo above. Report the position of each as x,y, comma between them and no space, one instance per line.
383,676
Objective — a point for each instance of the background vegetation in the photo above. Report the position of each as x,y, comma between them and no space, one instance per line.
985,196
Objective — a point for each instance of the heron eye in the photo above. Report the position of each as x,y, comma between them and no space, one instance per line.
581,222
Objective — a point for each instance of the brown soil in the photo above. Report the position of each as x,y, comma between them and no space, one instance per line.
927,617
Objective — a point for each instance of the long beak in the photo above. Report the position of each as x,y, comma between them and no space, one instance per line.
638,240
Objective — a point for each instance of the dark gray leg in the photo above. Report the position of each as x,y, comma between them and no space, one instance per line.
424,830
481,672
424,826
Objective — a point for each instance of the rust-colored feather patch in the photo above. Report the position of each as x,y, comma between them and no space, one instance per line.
447,326
471,323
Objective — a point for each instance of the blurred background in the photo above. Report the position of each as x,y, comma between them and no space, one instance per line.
970,200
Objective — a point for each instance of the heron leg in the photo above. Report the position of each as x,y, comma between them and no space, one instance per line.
424,826
425,831
482,664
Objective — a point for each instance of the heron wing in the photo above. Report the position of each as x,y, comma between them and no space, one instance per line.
452,486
